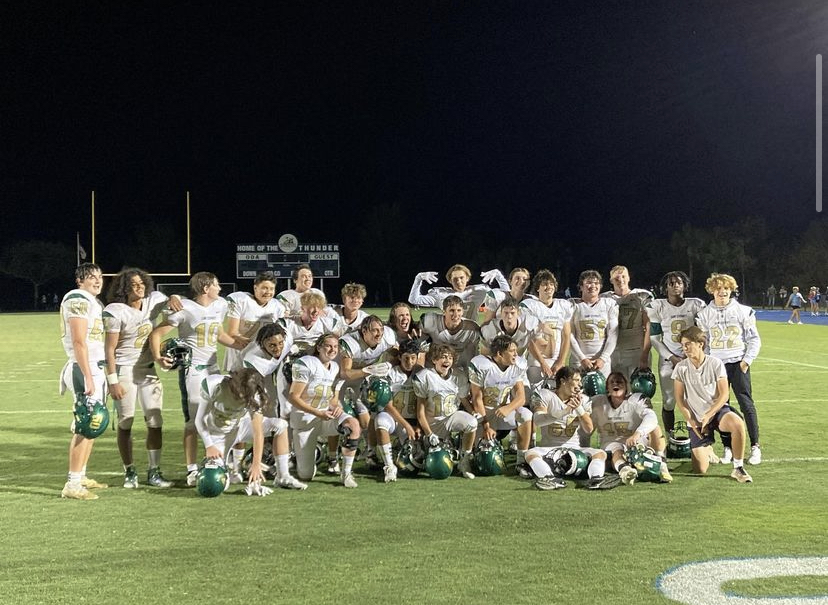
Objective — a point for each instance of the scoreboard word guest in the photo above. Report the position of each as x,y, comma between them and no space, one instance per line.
283,257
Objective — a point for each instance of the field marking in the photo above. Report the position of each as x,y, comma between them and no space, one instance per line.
796,363
700,583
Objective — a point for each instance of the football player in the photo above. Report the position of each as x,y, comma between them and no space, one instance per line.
441,392
668,317
632,350
316,410
199,325
624,419
732,337
83,340
246,313
303,281
560,414
554,316
471,297
353,295
400,417
128,320
594,326
451,328
399,320
497,384
519,281
523,330
701,388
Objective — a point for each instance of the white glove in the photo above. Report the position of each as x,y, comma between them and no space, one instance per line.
378,369
490,276
257,489
428,276
433,440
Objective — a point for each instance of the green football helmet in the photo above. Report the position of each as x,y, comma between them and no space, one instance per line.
569,463
438,463
178,352
594,383
375,393
212,478
645,461
91,417
678,441
411,457
644,382
488,458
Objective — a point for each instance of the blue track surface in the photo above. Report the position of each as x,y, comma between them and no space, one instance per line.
783,316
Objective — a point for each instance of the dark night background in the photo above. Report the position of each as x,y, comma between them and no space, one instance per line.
513,133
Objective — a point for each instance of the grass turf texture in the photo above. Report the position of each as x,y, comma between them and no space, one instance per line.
415,541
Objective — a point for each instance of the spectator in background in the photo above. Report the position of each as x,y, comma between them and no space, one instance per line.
771,297
783,295
795,302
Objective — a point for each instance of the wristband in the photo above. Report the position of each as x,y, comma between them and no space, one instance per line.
580,411
112,378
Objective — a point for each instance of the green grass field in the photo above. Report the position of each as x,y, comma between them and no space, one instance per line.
417,541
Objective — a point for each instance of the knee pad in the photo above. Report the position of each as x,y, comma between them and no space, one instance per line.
344,430
349,443
153,419
522,415
280,426
125,424
384,422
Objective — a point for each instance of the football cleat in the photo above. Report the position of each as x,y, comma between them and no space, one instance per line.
465,466
727,456
628,474
130,478
192,478
713,458
290,482
348,480
235,477
755,455
524,471
77,492
371,460
333,466
550,483
604,482
741,475
156,479
90,483
390,473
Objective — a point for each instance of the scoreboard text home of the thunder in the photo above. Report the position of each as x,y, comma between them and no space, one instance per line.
252,259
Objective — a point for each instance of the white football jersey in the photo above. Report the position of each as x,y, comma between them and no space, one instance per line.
443,396
552,320
464,341
351,326
700,383
472,298
319,380
251,315
81,304
352,345
594,328
673,320
402,388
133,327
223,411
253,356
291,300
616,425
495,383
305,338
558,424
731,331
199,327
630,317
528,330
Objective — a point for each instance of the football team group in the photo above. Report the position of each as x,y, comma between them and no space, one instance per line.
565,384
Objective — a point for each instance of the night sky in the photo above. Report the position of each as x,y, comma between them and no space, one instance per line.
583,122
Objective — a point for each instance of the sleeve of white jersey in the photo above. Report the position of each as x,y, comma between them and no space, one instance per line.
416,298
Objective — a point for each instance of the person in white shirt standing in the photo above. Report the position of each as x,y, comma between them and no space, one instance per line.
733,338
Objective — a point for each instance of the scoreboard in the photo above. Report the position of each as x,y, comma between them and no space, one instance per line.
252,259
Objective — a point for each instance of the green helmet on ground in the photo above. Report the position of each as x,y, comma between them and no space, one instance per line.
645,461
488,458
570,463
212,478
678,441
438,463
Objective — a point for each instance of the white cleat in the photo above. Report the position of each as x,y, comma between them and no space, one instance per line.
727,456
390,473
755,455
290,482
348,480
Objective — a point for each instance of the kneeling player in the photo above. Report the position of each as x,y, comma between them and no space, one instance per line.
701,390
317,412
497,391
225,401
440,391
559,414
624,420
